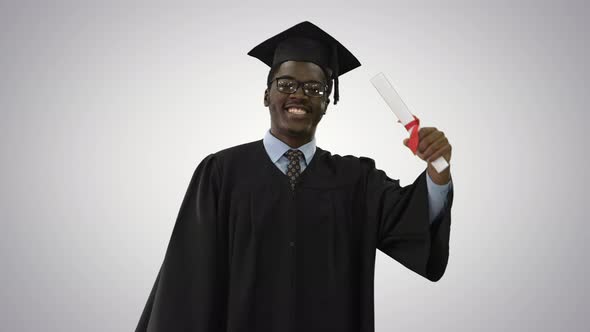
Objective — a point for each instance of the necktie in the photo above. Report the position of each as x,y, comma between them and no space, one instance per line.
294,168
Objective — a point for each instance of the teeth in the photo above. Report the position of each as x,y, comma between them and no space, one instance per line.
296,110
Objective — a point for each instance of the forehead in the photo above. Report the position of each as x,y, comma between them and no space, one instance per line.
303,71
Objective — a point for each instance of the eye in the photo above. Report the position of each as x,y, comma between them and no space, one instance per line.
286,84
314,87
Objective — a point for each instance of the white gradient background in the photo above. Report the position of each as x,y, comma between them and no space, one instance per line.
106,110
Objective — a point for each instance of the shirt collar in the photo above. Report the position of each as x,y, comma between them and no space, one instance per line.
275,148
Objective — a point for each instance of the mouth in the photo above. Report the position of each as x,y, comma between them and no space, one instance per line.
297,110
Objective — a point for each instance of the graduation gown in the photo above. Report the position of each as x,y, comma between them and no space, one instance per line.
248,254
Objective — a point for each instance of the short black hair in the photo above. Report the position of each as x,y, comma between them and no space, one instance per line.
327,74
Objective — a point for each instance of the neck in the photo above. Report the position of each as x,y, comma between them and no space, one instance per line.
293,141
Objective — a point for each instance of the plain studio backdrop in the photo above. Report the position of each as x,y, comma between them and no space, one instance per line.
107,109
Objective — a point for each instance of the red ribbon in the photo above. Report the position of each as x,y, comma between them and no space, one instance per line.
414,127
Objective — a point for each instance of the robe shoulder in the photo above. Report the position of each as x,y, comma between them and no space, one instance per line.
183,295
404,231
397,216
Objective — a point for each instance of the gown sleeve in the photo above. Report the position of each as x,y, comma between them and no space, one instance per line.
189,293
403,228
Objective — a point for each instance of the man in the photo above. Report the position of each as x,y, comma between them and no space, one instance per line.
279,234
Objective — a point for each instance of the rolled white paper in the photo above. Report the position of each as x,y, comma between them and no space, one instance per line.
399,108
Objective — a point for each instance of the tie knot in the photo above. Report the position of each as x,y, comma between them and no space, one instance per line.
294,155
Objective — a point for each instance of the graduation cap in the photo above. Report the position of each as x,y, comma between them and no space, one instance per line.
307,42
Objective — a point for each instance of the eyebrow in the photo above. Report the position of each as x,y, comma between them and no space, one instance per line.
291,77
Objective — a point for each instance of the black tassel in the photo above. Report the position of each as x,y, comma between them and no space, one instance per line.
336,94
335,74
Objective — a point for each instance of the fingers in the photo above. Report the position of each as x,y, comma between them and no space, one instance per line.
435,147
433,144
444,151
423,132
429,137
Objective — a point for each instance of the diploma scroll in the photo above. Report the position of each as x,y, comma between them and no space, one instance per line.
399,108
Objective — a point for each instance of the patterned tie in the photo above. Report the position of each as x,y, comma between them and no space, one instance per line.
294,168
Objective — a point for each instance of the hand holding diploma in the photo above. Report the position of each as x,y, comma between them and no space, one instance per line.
428,143
433,145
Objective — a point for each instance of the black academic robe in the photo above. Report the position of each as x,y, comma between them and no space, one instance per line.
248,254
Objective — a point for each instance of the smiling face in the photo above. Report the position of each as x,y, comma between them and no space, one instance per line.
295,128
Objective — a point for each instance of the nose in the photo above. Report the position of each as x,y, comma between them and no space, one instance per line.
297,93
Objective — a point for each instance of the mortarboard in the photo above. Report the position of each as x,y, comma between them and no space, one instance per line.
307,42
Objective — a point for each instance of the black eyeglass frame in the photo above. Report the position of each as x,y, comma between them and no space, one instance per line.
300,84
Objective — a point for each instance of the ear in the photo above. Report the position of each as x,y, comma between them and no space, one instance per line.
266,100
327,104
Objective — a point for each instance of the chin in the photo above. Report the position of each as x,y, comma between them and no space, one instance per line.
297,132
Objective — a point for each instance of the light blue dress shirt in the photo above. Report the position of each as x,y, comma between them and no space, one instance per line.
275,148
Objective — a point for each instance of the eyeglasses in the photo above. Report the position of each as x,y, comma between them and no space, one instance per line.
310,88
